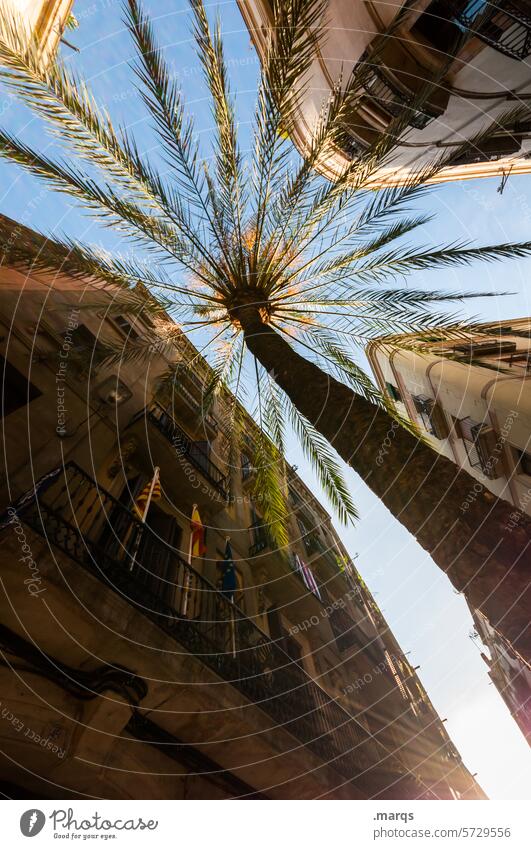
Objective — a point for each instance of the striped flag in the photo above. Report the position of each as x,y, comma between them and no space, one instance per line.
307,576
197,547
151,492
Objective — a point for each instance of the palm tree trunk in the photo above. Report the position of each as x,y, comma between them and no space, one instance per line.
472,536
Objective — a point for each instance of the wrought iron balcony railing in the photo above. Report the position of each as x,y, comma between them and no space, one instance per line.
260,540
503,24
184,446
312,543
74,514
380,88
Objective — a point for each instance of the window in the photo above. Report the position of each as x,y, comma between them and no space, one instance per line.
519,359
126,327
86,352
17,391
282,637
260,537
393,391
436,26
344,629
295,498
492,347
489,150
504,26
480,443
302,528
200,454
310,538
246,466
523,461
383,90
432,416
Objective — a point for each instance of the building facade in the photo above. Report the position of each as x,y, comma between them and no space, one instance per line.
508,671
45,21
470,397
128,668
457,65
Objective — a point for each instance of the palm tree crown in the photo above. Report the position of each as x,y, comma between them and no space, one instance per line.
317,262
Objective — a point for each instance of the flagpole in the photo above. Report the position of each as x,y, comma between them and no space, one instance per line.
156,474
184,608
232,628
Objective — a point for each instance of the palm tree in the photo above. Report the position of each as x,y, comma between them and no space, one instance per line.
285,277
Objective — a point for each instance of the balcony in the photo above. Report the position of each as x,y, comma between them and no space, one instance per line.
481,445
393,83
432,416
312,543
261,539
179,446
504,25
79,518
382,90
190,391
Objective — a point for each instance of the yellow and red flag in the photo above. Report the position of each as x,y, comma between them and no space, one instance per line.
151,492
197,547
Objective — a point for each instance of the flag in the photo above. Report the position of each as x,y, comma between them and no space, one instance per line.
228,552
228,580
151,492
307,577
198,547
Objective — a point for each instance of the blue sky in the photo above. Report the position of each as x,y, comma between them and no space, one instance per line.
428,618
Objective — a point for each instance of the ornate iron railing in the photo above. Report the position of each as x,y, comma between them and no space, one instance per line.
380,88
184,446
77,516
504,25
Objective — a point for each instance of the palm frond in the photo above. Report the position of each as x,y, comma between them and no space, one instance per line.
269,480
296,29
66,104
230,179
164,101
324,463
222,370
313,259
273,414
99,199
402,262
269,489
501,124
346,369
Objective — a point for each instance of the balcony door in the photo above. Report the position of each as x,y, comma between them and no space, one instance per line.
158,553
153,548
